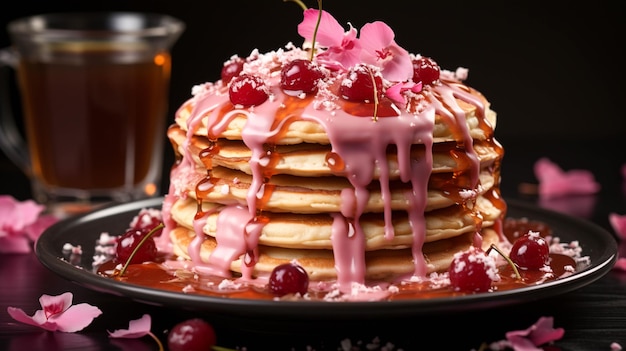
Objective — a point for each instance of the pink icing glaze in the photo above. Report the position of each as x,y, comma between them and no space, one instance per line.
358,143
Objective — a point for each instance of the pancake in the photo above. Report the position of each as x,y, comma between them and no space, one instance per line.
292,230
322,194
309,160
355,170
305,131
320,264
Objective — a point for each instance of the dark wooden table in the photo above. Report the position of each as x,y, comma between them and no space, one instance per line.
593,316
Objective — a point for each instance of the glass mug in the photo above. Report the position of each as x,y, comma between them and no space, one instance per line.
94,90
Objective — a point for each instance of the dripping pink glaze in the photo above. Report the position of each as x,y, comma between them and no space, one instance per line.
180,174
359,141
231,241
349,263
446,93
362,145
196,243
163,241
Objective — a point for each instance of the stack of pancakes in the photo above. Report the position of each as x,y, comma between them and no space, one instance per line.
316,179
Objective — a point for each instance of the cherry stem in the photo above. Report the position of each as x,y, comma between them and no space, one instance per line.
159,343
220,348
317,24
494,247
317,27
143,240
375,117
299,2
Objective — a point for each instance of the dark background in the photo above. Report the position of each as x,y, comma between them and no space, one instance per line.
549,70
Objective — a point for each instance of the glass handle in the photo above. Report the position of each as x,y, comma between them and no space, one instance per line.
12,142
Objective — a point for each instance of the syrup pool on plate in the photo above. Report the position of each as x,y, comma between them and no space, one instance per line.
165,272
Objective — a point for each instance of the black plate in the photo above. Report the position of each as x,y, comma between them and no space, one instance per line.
596,243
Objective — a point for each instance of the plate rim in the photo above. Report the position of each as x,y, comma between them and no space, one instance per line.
52,260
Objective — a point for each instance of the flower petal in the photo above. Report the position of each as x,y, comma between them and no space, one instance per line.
55,304
58,314
400,68
520,343
381,50
15,215
554,182
375,36
618,222
35,229
538,334
544,332
75,318
395,91
15,244
20,223
19,315
342,57
329,32
136,328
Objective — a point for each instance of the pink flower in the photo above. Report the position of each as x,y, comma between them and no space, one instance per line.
136,328
375,46
379,49
21,223
343,48
58,314
618,222
554,182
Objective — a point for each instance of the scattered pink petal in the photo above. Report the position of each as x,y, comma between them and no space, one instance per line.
616,347
618,222
581,207
554,182
395,91
15,244
34,230
21,223
540,333
58,314
136,328
17,214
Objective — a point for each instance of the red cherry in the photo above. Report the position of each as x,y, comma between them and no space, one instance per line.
360,84
191,335
231,68
472,271
530,251
288,278
425,70
300,76
247,90
127,242
146,219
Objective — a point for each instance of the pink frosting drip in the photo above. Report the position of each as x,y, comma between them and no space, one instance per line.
359,142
